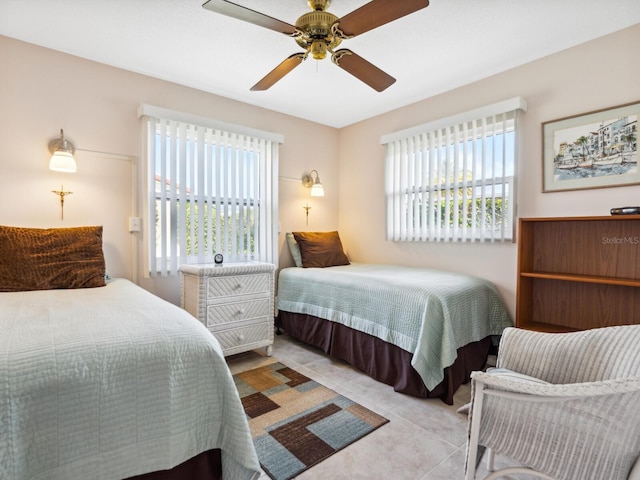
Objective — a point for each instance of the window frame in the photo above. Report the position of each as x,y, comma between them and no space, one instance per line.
424,161
233,165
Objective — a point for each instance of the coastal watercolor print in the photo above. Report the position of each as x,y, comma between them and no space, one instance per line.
592,150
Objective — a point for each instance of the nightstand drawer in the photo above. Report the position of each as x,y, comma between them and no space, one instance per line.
238,285
234,312
245,336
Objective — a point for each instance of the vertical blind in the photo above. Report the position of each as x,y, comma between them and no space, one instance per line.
210,190
454,179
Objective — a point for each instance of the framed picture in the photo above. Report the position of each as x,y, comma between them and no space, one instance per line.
592,150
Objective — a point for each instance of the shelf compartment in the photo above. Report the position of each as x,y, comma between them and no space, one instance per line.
579,306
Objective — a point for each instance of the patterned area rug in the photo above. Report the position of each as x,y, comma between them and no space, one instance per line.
296,422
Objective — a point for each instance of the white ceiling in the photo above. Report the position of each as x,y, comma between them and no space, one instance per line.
446,45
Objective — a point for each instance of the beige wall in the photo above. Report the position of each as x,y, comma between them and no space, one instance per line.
42,91
595,75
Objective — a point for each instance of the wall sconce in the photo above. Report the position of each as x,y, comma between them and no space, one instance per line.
62,155
62,160
313,181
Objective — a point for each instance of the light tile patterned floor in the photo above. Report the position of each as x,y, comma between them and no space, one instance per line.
424,440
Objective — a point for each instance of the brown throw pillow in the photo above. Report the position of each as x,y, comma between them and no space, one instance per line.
320,249
44,259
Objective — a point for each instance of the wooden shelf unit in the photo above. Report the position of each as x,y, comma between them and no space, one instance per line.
576,273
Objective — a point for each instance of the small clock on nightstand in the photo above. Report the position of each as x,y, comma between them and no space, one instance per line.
218,259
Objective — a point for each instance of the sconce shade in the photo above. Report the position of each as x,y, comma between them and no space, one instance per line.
312,180
317,190
62,155
62,162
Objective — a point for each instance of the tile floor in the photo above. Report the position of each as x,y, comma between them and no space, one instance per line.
424,440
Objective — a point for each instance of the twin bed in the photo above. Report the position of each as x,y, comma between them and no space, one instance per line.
101,379
104,380
422,331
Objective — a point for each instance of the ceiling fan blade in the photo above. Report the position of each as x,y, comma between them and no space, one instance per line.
291,62
242,13
362,69
376,13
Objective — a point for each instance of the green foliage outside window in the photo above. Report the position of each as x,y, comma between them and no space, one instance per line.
221,225
494,212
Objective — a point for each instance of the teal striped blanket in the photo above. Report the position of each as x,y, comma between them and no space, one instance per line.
429,313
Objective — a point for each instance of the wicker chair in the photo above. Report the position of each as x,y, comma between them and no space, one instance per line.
561,405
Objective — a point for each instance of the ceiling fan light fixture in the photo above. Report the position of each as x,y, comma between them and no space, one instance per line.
318,50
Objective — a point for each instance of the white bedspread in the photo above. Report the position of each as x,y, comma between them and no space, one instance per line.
110,382
429,313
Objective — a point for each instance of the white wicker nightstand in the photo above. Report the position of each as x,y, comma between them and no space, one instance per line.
235,301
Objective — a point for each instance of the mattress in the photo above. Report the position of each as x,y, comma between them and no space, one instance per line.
429,313
112,382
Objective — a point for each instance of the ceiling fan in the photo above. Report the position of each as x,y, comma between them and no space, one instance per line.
319,32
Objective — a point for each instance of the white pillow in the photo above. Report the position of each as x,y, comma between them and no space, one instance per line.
294,248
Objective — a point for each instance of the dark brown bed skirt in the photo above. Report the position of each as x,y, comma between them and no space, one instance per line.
204,466
383,361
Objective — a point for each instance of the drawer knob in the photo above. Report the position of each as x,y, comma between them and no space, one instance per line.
238,286
241,337
241,311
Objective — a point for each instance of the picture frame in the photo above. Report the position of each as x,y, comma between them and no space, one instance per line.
596,149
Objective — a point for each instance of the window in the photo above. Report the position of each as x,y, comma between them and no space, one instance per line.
211,188
454,179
